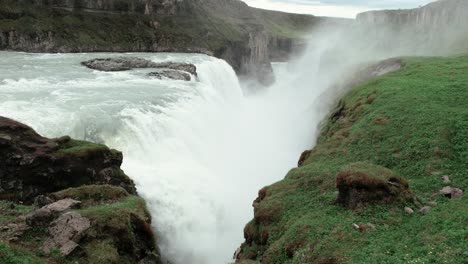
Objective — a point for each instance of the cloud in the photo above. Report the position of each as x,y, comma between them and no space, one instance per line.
335,8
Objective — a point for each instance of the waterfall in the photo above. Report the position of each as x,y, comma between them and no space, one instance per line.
198,151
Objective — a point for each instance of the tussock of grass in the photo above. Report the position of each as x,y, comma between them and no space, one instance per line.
413,122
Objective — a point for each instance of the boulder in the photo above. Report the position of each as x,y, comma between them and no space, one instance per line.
32,165
171,74
409,211
66,232
451,192
44,215
128,63
42,200
118,64
363,183
425,210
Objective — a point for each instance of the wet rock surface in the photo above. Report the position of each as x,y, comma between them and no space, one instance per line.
128,63
170,74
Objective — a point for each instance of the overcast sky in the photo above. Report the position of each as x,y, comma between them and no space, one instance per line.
336,8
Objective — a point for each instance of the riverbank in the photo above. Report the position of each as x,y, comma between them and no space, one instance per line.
333,208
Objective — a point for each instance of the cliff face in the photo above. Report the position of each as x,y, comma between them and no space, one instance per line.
439,27
438,14
247,38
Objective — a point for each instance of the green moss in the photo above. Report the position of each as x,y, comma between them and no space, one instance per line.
416,125
10,255
116,215
93,194
80,148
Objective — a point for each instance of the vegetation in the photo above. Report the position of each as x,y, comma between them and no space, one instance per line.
93,194
9,255
119,229
80,147
206,27
9,211
413,122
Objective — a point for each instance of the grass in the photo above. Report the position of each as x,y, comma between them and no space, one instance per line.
413,122
9,211
93,194
119,229
10,255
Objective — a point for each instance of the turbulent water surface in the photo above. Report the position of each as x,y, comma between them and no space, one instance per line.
198,151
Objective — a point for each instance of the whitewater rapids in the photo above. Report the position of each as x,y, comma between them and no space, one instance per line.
198,151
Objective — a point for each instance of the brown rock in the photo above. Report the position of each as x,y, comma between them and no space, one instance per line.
12,231
446,179
425,210
171,74
66,232
409,211
43,216
453,193
42,200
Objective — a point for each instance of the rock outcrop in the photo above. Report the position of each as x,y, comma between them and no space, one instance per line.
171,74
31,165
437,28
65,233
101,220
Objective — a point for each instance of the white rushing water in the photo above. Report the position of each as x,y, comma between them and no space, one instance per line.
198,151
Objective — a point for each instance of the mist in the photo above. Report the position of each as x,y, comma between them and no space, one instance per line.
221,151
200,154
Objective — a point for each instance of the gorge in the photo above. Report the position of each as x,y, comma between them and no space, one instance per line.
199,150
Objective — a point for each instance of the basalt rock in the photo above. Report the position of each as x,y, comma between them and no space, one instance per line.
31,165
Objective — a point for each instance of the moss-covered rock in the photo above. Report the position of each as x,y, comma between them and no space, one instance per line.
362,183
31,164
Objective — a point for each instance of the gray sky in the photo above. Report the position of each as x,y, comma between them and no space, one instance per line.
337,8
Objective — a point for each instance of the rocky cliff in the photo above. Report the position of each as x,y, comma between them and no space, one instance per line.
247,38
439,27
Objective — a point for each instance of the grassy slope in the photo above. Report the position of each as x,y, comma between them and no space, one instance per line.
414,122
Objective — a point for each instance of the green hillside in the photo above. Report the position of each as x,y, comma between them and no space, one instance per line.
413,124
